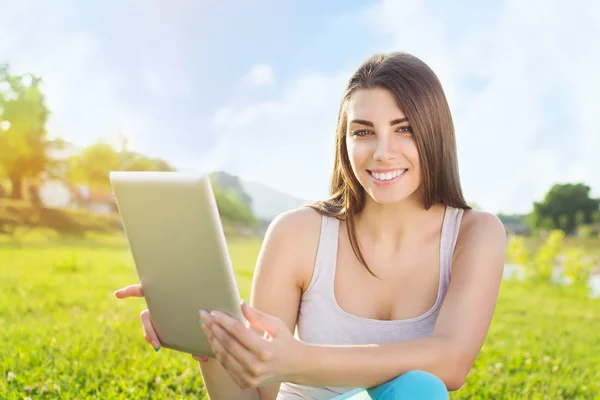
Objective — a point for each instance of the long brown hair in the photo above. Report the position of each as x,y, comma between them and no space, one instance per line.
419,93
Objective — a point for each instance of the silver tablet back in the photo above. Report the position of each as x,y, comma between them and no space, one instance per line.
175,235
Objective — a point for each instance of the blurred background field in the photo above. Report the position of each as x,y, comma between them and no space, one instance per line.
69,338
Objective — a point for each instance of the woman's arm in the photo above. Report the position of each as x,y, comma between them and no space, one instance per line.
282,270
460,331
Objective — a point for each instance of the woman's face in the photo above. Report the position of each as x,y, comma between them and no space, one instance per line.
381,146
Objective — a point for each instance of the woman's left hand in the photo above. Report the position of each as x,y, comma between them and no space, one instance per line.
252,359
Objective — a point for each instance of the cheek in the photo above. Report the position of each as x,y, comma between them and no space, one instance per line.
411,152
358,154
415,162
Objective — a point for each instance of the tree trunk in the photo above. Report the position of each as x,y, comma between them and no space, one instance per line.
17,188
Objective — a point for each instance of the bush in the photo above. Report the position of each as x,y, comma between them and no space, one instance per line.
517,252
588,231
78,221
21,213
232,210
15,213
576,266
546,256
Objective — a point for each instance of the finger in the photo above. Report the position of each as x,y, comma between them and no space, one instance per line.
230,364
235,349
246,336
130,291
206,323
261,320
149,332
202,359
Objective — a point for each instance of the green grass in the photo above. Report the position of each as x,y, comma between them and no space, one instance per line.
61,329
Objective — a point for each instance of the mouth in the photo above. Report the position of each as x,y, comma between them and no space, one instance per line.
388,176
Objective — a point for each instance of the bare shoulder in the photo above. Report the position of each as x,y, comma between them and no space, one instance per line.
480,232
294,235
476,222
302,221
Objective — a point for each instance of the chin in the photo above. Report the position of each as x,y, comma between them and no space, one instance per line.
387,198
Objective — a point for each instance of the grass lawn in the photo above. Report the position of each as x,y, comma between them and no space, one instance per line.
63,335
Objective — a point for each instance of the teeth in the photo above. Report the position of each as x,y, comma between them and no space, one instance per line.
388,175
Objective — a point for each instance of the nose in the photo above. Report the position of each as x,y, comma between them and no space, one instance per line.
384,152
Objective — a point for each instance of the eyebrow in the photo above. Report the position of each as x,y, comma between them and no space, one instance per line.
369,123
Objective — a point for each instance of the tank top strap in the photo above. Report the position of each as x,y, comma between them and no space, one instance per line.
450,228
323,272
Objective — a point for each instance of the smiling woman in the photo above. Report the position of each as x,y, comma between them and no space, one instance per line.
390,284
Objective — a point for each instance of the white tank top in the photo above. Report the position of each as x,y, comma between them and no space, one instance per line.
322,321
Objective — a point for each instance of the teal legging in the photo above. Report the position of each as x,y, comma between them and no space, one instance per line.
412,385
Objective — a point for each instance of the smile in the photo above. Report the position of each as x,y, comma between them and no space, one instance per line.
386,178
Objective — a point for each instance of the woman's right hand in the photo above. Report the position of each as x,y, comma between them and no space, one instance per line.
149,332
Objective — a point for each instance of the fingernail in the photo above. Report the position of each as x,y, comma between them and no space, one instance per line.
157,348
246,303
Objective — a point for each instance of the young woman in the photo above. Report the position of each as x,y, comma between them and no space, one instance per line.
390,285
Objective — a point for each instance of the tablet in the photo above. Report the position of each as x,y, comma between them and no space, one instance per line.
177,242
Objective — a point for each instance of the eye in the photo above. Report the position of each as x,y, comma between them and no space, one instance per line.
404,129
361,132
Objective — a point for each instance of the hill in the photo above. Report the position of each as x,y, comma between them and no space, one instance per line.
265,202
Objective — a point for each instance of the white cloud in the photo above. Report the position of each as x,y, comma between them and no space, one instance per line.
261,75
163,83
500,76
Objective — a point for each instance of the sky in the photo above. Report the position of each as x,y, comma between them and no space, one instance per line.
253,88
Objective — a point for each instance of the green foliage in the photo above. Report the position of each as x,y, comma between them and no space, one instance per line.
565,206
231,184
24,146
545,258
20,213
232,209
92,166
577,266
574,260
132,161
540,345
517,252
588,231
516,219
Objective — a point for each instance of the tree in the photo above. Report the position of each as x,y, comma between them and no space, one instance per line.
24,145
93,165
232,209
565,207
132,161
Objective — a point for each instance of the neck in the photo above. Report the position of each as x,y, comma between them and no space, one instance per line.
393,224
